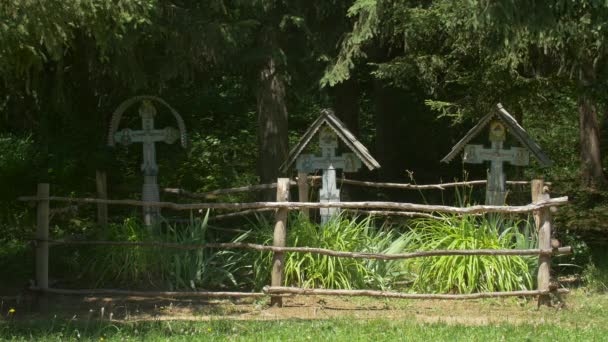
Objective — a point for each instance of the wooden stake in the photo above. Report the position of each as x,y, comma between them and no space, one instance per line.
303,192
544,241
280,237
537,193
42,247
102,193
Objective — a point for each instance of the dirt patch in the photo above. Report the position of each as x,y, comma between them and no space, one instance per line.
129,309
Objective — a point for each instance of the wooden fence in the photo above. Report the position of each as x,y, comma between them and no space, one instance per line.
540,207
304,182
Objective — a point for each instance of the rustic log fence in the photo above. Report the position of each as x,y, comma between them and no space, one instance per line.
304,182
540,207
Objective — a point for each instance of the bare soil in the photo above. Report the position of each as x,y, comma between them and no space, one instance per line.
129,309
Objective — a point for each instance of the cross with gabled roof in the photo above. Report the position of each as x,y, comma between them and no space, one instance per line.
500,122
328,162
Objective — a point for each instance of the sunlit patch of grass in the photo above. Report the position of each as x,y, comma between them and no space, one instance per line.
585,320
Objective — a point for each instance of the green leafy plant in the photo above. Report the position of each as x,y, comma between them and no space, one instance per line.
124,266
596,279
166,268
201,268
466,274
321,271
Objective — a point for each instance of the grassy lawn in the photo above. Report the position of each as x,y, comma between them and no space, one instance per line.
585,318
292,330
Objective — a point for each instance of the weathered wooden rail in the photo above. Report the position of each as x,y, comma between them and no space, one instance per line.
475,209
303,182
540,207
314,250
410,186
272,290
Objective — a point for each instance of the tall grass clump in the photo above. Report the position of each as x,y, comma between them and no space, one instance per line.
321,271
165,268
123,266
467,274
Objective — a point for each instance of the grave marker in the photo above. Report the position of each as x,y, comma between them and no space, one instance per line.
148,136
328,162
500,122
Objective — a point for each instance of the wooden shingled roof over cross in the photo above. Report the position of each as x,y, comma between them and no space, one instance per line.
328,117
513,127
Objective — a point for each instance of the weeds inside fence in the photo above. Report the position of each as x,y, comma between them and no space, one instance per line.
215,269
157,268
467,274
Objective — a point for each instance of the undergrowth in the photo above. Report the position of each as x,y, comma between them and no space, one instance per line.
341,233
467,274
145,267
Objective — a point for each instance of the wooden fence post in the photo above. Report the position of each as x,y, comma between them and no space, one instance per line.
280,236
537,186
543,220
102,193
42,245
303,192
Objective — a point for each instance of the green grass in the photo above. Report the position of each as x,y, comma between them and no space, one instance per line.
293,330
585,318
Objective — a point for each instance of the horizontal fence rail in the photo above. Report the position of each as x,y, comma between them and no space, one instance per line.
322,251
409,186
284,290
239,213
316,179
207,294
475,209
214,193
408,214
277,290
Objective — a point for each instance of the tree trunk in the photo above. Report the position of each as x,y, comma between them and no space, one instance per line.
272,120
592,174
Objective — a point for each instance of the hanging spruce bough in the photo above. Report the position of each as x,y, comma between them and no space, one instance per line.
328,162
148,136
500,122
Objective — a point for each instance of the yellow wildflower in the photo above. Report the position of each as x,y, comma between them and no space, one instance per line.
208,329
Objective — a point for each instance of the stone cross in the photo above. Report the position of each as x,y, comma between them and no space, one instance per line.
148,136
496,155
328,163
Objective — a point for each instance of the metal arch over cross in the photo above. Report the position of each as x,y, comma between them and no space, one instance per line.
328,163
497,155
148,136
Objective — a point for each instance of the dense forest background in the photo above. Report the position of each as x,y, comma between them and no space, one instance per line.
409,78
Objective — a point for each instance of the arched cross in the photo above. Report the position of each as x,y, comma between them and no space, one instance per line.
148,136
328,163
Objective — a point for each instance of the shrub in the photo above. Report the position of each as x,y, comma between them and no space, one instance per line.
466,274
322,271
165,268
